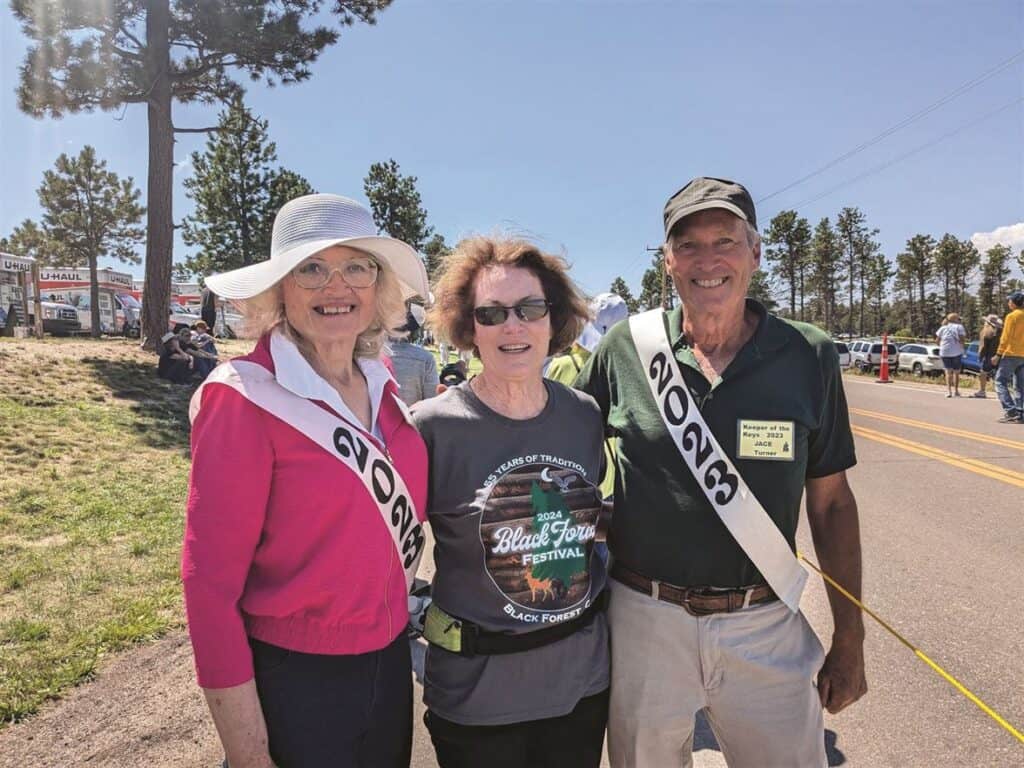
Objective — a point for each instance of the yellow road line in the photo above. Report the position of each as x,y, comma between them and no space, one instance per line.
953,459
1001,441
967,693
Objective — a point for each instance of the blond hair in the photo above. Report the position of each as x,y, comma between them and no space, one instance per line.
265,311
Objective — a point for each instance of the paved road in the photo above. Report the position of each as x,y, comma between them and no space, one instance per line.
944,564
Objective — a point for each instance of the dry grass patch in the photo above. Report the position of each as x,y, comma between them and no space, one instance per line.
94,450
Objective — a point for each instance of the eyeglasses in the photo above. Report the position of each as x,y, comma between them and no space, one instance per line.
527,311
357,273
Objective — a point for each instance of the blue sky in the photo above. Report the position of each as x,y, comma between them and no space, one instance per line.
573,121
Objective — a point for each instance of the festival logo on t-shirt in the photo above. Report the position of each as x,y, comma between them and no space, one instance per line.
537,527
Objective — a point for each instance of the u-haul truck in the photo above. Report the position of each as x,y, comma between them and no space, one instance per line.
119,309
59,319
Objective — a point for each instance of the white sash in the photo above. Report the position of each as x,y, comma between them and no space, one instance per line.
725,489
344,442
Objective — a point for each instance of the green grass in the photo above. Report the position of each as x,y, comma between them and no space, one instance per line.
94,450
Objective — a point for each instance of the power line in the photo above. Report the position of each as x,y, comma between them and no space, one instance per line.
913,118
883,166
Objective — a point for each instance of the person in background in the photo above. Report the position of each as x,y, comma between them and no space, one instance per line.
415,369
951,337
203,342
208,309
606,310
1009,359
296,574
516,671
988,343
175,362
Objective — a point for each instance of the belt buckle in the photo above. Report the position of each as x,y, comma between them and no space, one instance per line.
688,606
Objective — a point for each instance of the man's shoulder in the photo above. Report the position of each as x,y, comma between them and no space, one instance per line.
618,340
805,333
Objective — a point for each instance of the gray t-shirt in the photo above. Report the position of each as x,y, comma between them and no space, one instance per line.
415,371
513,508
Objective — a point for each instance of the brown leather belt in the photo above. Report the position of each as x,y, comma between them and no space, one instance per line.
698,601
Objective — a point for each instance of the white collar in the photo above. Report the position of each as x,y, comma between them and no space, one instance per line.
294,373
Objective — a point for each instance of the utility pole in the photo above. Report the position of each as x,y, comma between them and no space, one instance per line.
664,285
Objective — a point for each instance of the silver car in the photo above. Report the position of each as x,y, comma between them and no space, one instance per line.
920,359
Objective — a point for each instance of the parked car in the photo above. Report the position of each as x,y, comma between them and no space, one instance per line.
971,362
60,319
867,355
844,354
920,359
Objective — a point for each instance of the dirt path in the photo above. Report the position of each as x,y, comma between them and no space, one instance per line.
143,708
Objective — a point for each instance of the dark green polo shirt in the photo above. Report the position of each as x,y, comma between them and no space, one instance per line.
663,525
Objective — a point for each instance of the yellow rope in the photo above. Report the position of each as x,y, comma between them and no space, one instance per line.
919,653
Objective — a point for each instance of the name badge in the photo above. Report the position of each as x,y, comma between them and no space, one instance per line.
766,440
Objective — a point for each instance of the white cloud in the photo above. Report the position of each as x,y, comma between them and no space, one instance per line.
1011,235
184,166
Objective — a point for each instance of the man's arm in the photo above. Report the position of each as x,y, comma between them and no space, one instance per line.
832,514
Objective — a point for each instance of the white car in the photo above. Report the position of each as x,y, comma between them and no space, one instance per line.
844,354
920,359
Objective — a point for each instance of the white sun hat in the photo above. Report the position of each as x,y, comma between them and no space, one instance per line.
311,223
607,309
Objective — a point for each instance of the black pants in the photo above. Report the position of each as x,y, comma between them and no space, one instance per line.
336,711
574,740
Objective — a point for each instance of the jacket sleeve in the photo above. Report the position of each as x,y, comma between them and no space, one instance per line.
232,468
1007,334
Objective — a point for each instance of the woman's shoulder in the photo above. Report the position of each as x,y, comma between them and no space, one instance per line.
572,398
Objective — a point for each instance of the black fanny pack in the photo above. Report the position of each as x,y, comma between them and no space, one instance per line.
467,639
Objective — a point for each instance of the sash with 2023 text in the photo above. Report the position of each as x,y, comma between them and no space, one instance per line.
724,487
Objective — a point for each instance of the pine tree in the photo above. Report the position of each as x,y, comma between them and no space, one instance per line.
994,273
789,240
237,192
435,250
620,289
88,55
88,214
761,289
826,252
852,231
656,289
396,204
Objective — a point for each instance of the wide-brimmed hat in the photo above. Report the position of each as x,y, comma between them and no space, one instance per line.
607,309
995,321
308,225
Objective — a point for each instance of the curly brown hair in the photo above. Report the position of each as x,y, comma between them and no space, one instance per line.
452,313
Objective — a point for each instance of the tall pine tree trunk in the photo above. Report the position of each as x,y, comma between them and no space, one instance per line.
159,188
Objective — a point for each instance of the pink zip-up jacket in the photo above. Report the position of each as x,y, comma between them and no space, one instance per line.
282,541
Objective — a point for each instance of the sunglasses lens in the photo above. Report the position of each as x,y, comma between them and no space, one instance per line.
531,312
490,315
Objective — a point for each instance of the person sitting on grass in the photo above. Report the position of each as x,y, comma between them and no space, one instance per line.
179,356
203,341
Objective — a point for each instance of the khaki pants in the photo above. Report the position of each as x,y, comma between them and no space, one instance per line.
753,670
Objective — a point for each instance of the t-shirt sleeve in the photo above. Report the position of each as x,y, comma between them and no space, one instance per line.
830,446
229,486
593,379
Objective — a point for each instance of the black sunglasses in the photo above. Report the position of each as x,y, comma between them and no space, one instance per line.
527,311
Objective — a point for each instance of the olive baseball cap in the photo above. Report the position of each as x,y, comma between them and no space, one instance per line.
705,192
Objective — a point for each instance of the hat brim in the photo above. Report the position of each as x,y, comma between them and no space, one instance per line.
401,258
704,206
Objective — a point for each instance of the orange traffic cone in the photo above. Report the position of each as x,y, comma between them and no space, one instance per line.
883,370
